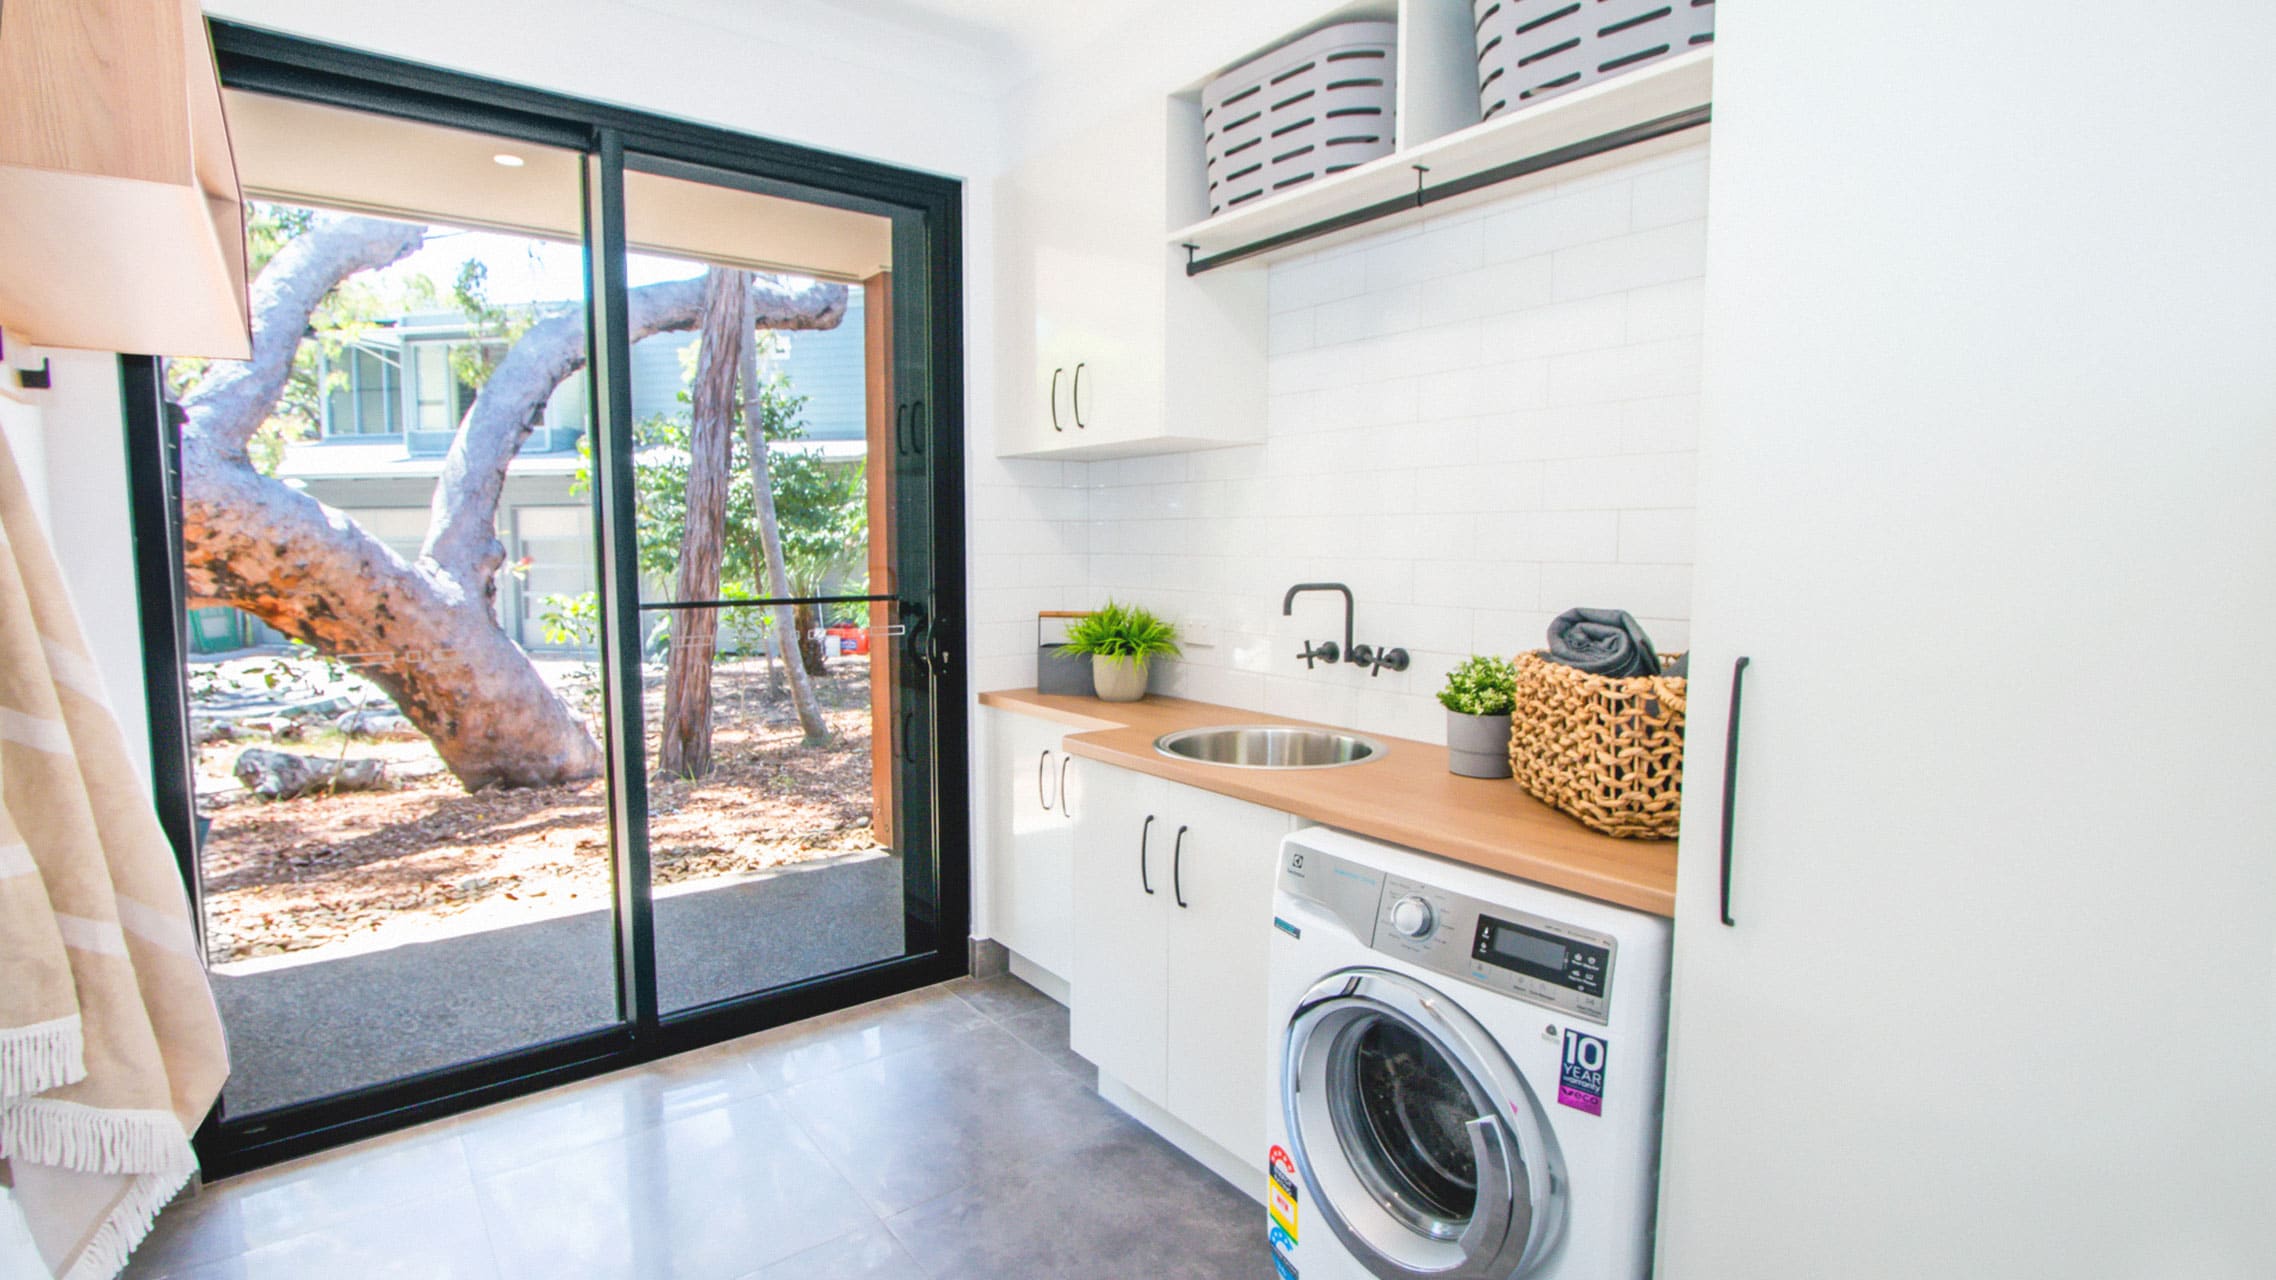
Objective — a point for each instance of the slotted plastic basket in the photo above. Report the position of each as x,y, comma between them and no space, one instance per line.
1533,50
1319,105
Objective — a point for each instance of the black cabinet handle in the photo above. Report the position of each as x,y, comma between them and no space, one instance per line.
1143,882
1063,786
1731,779
920,418
1055,399
1075,396
1177,869
1042,762
900,430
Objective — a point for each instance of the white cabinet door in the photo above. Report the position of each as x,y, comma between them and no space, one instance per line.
1031,842
1123,353
1117,984
1998,999
1220,950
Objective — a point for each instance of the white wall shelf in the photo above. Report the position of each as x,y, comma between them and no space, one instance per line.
1652,101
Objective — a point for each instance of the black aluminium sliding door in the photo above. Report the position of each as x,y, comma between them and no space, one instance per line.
728,545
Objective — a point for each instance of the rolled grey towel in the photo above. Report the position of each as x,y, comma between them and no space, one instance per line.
1604,642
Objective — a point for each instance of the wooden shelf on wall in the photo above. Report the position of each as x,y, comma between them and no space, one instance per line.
1652,101
123,225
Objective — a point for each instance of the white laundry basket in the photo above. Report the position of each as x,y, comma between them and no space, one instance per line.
1315,106
1531,50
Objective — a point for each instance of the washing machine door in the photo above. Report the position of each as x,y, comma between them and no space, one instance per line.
1421,1144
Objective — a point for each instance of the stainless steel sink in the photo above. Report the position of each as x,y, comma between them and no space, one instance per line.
1268,746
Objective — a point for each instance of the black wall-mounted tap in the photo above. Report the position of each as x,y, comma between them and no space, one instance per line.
1326,650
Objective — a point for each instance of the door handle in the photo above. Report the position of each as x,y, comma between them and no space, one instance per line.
1143,832
1055,399
1731,779
920,417
1075,396
1063,786
1177,869
900,430
1491,1224
1042,762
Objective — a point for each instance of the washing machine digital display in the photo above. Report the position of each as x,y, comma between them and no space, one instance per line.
1537,954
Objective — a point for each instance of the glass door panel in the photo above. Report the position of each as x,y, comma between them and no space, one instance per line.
779,684
387,543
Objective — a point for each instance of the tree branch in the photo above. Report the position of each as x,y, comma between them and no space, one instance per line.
462,524
236,397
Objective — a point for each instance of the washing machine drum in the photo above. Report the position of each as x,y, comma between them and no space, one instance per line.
1420,1143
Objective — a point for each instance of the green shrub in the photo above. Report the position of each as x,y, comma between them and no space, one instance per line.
1482,686
1125,633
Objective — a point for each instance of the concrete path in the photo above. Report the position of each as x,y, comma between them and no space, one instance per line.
305,1031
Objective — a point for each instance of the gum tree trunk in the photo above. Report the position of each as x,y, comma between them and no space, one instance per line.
424,631
810,721
686,748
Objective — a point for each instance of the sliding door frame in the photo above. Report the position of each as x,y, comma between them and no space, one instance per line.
930,226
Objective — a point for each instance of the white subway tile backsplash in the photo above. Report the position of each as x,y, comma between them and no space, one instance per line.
1656,537
1476,421
1633,261
1671,195
1564,219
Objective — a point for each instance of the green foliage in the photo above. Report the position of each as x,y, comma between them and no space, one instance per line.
821,507
1482,685
571,621
1125,632
495,329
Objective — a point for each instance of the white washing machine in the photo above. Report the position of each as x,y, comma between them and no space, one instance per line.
1467,1072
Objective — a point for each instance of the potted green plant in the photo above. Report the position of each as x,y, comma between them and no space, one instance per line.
1478,697
1121,640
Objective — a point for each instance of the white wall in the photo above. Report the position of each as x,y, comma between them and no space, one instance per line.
70,444
1477,421
1988,493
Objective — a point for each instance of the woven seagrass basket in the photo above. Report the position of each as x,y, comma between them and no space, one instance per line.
1609,752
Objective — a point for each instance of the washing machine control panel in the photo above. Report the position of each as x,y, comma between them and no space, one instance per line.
1537,959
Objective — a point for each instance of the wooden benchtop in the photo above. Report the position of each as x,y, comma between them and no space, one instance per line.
1405,796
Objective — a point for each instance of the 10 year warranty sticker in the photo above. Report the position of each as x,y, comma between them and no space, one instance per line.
1580,1080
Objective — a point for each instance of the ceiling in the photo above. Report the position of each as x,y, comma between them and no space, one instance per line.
988,44
304,153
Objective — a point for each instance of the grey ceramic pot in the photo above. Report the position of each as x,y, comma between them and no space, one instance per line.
1118,679
1477,746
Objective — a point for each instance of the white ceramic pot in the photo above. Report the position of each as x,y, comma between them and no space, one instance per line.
1118,679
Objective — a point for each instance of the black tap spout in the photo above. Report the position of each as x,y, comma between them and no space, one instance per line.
1288,604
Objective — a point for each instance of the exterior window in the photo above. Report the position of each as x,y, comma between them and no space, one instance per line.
368,402
442,397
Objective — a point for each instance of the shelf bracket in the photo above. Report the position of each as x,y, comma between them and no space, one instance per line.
1421,171
39,379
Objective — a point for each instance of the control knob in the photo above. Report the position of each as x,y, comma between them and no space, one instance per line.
1412,918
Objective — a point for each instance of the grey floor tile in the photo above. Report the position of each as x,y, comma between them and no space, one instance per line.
1045,1031
871,1253
438,1238
561,1120
912,1126
818,1046
1123,1203
709,1196
272,1205
1003,996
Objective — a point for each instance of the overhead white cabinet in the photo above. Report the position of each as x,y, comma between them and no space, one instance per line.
1124,355
1173,902
1030,846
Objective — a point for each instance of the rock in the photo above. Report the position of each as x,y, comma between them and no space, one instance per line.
372,723
204,730
280,775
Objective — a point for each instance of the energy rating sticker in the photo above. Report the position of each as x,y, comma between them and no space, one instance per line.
1280,1195
1580,1082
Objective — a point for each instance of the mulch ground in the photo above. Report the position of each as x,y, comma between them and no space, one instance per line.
427,858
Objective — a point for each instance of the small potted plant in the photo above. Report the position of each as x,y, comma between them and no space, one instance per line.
1478,697
1121,640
